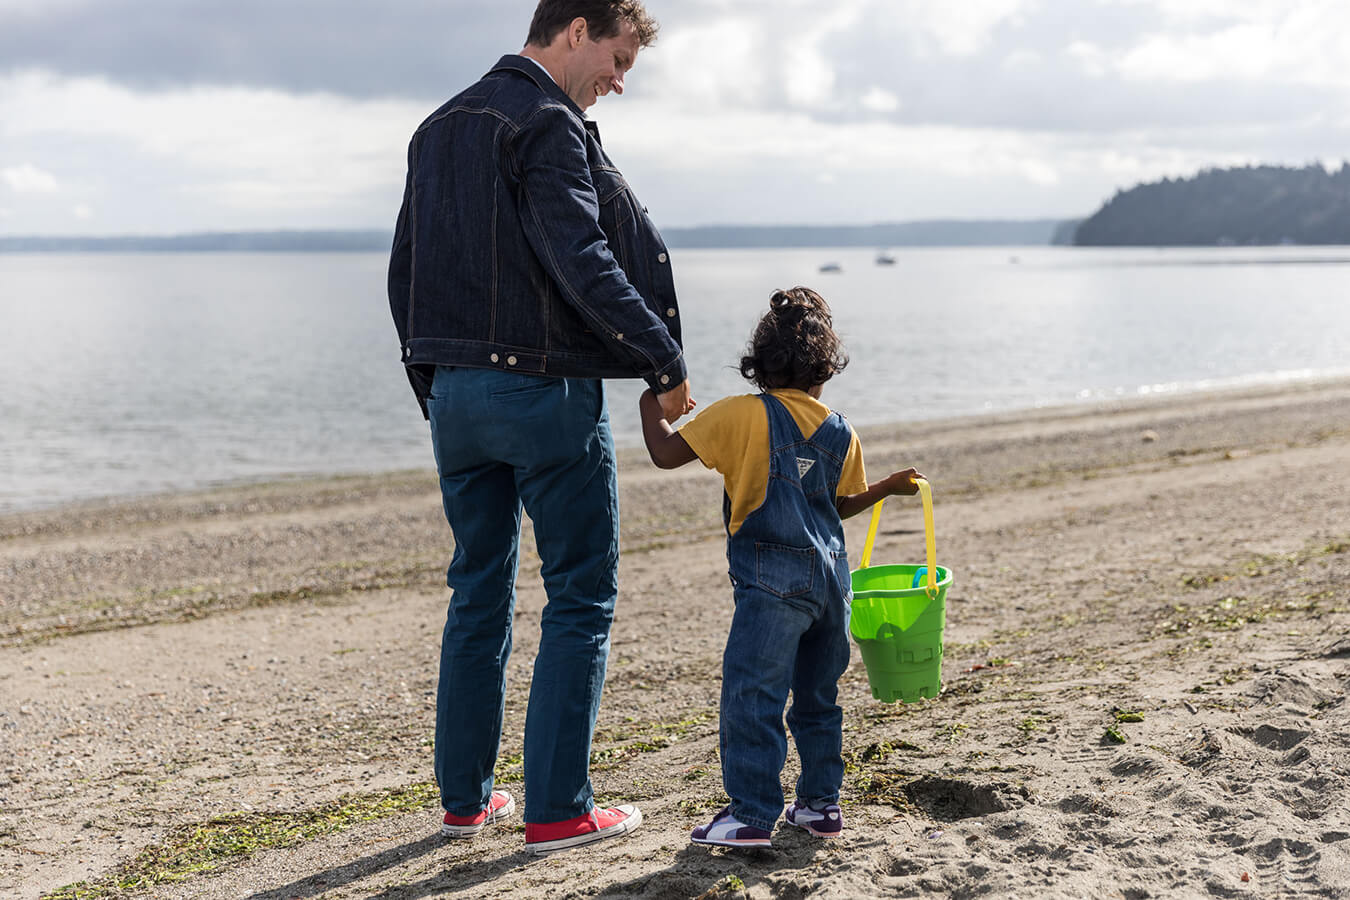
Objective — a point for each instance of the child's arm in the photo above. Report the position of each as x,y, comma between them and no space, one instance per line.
665,446
901,482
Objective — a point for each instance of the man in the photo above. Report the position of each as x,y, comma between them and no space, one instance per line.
523,271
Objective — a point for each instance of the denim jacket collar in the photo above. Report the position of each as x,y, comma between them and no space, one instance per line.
512,62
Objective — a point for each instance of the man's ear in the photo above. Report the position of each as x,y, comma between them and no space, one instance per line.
576,30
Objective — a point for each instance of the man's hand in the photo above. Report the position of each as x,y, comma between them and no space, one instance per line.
676,401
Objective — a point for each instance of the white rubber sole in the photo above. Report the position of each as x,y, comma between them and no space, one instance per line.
757,843
807,827
827,835
719,834
468,831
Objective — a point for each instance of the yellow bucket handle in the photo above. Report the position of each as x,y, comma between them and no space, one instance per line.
930,544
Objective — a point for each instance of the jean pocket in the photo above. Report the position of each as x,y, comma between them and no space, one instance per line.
512,387
784,571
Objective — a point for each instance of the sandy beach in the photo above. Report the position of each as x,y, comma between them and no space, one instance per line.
231,693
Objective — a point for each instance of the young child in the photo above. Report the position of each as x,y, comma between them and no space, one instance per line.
792,470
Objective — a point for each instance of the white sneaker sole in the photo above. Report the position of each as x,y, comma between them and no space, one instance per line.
752,843
811,831
545,848
468,831
807,826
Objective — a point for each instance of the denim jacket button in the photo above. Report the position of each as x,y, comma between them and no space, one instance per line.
619,336
495,358
670,313
661,257
510,360
665,379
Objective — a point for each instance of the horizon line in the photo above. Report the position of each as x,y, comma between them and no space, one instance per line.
237,232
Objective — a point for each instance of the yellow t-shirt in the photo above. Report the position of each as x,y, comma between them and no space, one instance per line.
732,436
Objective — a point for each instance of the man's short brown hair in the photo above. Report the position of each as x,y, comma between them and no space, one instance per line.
602,19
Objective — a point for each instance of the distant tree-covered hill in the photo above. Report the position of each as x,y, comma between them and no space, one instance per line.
1249,205
209,242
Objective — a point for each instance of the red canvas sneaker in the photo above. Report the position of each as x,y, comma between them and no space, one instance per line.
596,825
500,806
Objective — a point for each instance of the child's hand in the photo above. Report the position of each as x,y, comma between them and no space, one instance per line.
665,446
902,482
676,402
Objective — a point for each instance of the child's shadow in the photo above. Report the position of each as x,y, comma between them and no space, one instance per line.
701,871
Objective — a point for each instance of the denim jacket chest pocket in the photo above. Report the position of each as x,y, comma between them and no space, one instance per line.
616,212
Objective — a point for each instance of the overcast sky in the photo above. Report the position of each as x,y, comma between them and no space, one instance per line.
166,116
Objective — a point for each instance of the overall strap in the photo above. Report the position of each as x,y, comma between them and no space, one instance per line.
793,456
834,436
783,430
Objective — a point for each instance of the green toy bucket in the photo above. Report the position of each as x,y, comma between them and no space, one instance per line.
898,615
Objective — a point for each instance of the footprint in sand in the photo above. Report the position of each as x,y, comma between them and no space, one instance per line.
1281,861
952,799
1271,737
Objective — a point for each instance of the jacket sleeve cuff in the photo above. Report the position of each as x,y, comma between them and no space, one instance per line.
668,377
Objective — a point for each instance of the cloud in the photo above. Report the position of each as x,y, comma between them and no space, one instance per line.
878,99
28,179
980,63
710,62
300,145
1241,52
808,77
863,171
960,29
178,114
204,157
407,48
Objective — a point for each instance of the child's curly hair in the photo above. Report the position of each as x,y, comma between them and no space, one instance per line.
794,344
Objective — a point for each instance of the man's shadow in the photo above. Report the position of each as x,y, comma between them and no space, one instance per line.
461,875
696,870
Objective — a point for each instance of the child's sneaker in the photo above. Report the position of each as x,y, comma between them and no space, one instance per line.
725,830
501,805
596,825
825,822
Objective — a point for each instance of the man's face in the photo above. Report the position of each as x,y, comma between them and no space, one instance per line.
598,67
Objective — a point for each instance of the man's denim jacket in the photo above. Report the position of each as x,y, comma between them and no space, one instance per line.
520,247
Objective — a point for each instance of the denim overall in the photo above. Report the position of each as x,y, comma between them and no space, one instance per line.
790,573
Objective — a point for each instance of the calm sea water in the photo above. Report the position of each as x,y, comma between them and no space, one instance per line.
126,374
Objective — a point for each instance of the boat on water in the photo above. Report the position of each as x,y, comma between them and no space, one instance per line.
831,267
884,258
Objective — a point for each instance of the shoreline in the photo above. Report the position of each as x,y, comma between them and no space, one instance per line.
1175,570
631,456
